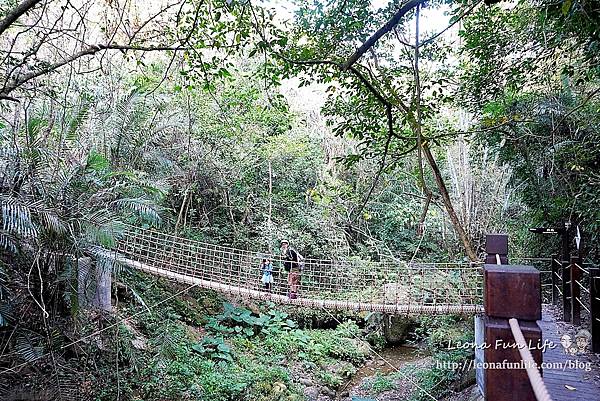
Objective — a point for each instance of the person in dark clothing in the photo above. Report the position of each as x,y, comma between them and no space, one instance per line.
292,263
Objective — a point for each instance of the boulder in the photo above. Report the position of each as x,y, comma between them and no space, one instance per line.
328,392
361,346
312,393
396,328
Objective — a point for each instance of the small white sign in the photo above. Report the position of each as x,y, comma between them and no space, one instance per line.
578,238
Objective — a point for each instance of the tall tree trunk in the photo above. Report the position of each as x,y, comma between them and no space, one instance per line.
423,148
418,129
270,221
462,235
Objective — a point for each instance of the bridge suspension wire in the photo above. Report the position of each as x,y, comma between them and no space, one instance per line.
388,285
535,378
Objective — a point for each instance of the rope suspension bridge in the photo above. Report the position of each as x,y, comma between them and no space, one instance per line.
389,285
512,314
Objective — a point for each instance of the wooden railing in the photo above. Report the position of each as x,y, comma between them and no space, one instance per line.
576,288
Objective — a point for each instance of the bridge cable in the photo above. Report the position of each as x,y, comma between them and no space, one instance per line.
535,378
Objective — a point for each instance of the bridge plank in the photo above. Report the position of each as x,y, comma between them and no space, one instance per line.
586,384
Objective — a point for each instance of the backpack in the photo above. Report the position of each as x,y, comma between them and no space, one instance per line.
299,260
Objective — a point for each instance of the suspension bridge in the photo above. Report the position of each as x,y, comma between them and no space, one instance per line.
512,312
388,285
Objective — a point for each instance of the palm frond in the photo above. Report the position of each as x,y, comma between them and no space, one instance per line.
25,348
52,222
69,386
77,119
142,208
99,227
16,218
107,258
8,242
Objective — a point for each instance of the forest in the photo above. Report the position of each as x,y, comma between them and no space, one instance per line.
357,130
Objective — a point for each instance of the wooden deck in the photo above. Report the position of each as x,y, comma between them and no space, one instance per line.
570,382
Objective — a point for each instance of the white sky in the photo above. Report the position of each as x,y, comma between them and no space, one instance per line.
432,20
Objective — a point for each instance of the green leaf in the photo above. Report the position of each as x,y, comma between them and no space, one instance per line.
96,162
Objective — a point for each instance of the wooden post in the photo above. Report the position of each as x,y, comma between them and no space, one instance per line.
496,247
554,269
566,289
575,291
595,308
510,292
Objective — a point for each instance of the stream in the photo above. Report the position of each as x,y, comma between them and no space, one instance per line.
390,360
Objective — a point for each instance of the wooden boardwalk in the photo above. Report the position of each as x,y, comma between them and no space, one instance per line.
567,379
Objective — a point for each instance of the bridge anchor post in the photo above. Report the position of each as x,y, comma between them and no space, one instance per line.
509,292
93,284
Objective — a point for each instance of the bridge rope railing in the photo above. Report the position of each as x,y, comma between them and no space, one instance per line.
388,285
531,367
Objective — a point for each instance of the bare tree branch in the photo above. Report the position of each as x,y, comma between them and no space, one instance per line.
16,83
380,32
16,13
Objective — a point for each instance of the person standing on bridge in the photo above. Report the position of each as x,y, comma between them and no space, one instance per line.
292,263
267,273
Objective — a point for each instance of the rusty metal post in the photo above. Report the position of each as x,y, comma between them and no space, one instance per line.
595,308
496,247
566,290
576,275
554,269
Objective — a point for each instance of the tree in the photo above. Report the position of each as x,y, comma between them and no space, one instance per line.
378,101
531,74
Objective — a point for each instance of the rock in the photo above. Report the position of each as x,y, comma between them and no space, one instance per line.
279,387
328,392
305,382
345,394
395,328
312,393
363,347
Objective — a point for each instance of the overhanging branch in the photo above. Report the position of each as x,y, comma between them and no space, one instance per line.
380,32
89,51
16,13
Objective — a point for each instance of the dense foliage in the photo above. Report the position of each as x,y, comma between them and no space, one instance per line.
227,122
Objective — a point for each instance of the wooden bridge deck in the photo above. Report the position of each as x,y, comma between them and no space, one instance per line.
564,379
